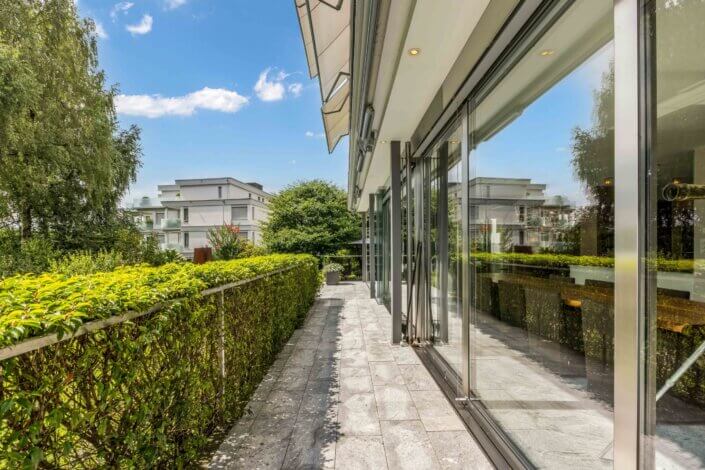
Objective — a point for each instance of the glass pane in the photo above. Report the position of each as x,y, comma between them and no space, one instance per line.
446,247
239,213
675,371
541,205
434,237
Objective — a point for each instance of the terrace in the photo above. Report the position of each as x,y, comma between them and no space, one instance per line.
339,395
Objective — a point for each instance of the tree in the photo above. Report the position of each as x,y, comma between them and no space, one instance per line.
226,242
310,217
64,162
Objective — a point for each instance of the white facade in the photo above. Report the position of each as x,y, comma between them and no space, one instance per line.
516,212
186,210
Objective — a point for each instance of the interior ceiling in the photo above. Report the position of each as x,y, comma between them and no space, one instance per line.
440,34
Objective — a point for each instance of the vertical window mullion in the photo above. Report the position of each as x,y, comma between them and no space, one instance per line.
628,235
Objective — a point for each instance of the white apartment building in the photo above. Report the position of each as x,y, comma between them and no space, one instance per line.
517,212
186,210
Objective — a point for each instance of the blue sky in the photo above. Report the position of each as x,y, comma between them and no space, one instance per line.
537,144
219,88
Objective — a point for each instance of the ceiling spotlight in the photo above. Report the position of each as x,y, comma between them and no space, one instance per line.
454,142
547,52
414,51
382,141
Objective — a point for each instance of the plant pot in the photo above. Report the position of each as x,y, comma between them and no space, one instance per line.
332,278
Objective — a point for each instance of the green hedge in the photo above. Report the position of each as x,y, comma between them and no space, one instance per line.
564,261
149,392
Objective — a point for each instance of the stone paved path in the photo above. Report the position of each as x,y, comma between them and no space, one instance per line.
340,396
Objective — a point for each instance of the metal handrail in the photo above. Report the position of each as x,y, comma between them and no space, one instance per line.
40,342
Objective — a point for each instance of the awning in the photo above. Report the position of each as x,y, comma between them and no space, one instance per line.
325,29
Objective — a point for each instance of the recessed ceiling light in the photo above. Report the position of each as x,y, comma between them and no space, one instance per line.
547,52
414,51
382,141
454,142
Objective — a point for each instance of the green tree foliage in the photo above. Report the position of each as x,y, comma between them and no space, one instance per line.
310,217
64,162
226,242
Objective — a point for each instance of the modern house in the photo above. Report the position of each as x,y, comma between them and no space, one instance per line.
186,210
591,357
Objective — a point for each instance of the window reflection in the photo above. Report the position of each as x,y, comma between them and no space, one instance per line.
676,315
541,222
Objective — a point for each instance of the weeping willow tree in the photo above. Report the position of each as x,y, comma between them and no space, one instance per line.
64,161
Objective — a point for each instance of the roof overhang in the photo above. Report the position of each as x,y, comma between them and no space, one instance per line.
326,33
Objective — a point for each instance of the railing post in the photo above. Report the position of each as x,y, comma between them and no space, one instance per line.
221,343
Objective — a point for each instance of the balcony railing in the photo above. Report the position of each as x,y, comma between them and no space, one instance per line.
171,246
170,224
145,225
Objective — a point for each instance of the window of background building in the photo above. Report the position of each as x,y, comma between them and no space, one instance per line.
185,217
220,192
186,239
239,213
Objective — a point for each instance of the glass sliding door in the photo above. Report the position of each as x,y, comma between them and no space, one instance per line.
675,230
445,211
541,233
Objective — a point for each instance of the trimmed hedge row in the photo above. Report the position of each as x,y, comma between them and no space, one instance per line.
564,261
149,392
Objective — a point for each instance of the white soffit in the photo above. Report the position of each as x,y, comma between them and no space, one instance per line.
325,30
440,33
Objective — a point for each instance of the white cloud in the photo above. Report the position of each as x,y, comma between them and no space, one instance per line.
121,7
313,135
293,162
174,4
270,90
295,89
154,106
100,30
143,27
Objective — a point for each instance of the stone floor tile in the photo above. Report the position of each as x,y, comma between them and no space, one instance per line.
293,378
386,373
407,445
405,355
394,403
357,414
435,412
356,384
360,453
353,358
417,377
379,352
457,450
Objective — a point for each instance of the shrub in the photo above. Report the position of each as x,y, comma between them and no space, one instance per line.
29,256
150,392
545,260
226,242
84,262
333,268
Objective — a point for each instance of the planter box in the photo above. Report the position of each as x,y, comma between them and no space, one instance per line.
668,280
332,278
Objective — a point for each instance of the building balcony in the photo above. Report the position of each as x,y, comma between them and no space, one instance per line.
170,224
145,225
170,246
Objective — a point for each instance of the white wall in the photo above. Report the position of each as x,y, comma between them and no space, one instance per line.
198,240
207,215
